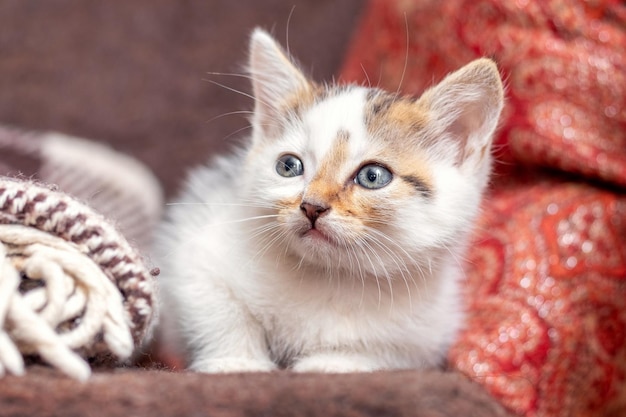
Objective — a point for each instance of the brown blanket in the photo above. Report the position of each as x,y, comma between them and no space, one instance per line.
151,393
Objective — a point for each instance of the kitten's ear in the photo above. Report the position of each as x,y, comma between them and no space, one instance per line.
275,78
465,108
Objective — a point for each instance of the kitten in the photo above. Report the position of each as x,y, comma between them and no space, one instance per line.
333,242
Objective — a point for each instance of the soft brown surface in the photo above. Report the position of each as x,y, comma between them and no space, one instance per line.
152,393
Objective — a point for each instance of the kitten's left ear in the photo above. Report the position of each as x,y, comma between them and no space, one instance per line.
465,108
275,78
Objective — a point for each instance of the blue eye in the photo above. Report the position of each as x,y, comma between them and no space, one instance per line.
373,176
289,166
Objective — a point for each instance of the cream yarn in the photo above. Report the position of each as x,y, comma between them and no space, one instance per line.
75,294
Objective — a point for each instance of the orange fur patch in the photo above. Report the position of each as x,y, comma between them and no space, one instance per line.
384,111
398,123
325,186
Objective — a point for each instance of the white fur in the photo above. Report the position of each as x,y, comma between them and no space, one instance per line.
246,292
231,299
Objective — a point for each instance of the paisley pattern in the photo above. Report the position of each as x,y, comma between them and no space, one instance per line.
546,275
546,280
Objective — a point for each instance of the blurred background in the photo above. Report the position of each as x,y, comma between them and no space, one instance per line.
133,73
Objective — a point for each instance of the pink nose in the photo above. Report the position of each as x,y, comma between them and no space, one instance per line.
313,211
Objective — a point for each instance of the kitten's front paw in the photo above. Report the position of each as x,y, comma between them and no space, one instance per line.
232,365
335,363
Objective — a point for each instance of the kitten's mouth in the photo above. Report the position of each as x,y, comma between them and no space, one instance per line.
317,235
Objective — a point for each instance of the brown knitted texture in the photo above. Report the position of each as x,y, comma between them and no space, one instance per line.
33,205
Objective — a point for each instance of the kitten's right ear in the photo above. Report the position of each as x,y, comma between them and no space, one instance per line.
465,108
275,78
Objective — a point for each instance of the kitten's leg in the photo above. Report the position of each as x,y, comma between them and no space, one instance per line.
240,351
336,362
246,355
233,363
225,337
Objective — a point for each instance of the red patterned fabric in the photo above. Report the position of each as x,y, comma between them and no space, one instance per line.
546,277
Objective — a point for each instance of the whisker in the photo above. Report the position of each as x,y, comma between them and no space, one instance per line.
270,231
400,247
367,77
207,204
231,113
385,273
358,264
247,219
229,74
299,265
276,235
406,57
353,260
380,294
456,259
284,252
225,138
287,29
261,230
401,268
234,90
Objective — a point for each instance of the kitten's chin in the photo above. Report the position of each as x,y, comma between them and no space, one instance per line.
315,246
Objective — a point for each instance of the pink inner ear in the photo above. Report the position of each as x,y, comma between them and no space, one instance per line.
460,132
469,129
466,105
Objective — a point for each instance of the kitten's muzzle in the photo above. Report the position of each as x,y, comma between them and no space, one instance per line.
313,211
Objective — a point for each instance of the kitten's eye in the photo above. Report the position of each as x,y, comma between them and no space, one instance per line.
373,176
289,166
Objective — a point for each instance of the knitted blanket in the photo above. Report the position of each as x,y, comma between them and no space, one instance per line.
72,288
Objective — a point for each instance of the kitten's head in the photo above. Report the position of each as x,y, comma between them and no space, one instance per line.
363,179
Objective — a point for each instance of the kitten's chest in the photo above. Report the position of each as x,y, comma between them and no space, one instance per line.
315,309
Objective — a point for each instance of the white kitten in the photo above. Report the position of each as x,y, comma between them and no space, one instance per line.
333,243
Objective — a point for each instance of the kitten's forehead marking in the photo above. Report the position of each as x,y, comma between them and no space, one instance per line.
332,123
326,184
339,115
